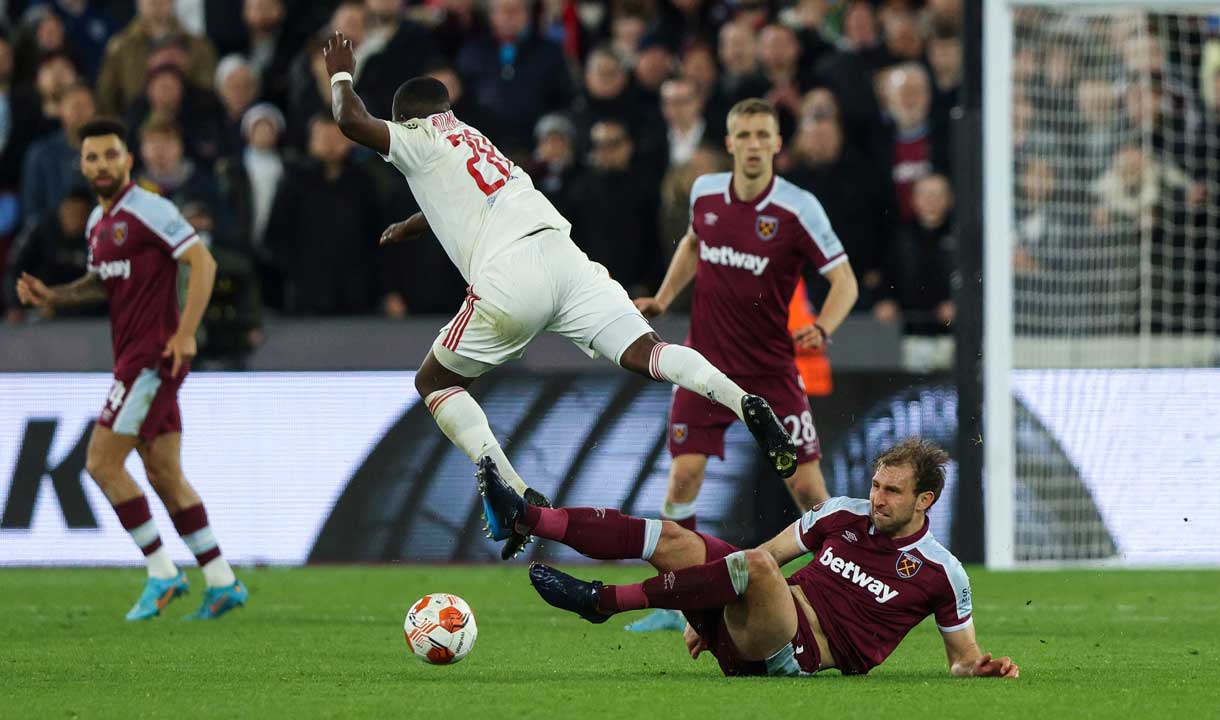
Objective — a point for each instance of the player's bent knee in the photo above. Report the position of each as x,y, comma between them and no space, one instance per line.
762,564
672,532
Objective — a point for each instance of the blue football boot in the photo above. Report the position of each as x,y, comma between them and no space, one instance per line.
219,600
659,620
158,592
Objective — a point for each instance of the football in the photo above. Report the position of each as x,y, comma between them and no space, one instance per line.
440,629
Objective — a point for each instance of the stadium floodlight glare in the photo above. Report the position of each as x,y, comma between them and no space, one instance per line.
1101,248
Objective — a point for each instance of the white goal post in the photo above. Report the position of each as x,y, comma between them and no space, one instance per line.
1101,272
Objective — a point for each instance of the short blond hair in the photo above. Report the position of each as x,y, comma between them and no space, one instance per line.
752,106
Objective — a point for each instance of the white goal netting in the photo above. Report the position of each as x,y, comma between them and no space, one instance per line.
1115,139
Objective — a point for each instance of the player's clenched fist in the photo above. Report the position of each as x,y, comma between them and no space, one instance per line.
32,291
340,57
649,307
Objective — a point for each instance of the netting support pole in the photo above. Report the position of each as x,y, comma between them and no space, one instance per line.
966,536
999,447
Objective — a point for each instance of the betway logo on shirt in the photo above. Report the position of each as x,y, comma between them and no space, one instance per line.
729,257
112,269
882,592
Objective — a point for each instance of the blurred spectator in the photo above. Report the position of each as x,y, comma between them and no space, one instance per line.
87,29
514,77
1043,219
1136,189
945,60
654,64
324,227
40,33
605,94
849,187
267,48
398,50
741,75
52,247
124,70
25,114
456,22
309,92
1094,134
945,11
309,83
165,169
917,150
627,29
779,53
699,67
849,74
861,38
920,262
686,129
169,97
248,183
52,164
237,86
614,211
808,19
554,163
681,22
902,40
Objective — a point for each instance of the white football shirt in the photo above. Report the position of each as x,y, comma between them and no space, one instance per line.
477,202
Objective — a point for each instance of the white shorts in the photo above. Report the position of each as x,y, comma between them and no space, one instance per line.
546,283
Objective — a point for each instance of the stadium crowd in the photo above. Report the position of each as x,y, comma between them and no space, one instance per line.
614,108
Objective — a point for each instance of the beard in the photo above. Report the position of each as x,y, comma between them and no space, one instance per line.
105,192
891,524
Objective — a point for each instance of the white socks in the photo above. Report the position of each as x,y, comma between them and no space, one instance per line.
685,367
463,422
159,564
217,573
677,511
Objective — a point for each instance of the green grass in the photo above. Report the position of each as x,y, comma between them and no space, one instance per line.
327,642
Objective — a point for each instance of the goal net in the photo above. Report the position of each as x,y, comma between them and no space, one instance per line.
1102,281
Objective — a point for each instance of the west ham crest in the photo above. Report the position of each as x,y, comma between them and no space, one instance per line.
680,432
765,226
119,233
907,565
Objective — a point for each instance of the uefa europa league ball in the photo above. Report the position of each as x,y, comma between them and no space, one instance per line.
440,629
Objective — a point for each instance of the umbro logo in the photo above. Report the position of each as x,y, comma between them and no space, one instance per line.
849,536
710,218
799,649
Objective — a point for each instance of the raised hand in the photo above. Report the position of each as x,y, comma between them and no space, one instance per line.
339,55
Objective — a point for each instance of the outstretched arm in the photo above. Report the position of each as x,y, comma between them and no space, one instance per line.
413,226
681,271
85,290
967,660
783,547
349,111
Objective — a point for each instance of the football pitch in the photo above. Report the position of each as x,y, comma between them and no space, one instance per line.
327,642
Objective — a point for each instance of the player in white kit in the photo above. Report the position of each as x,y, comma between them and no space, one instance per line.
525,274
